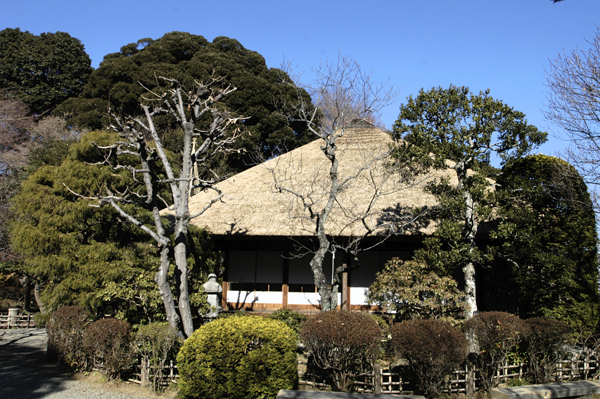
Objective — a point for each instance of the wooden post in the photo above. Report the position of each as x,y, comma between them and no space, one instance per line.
285,288
224,295
470,379
377,378
284,293
144,377
345,291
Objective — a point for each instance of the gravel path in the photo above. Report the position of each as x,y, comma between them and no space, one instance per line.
25,372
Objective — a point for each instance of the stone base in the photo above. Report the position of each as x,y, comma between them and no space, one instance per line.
548,391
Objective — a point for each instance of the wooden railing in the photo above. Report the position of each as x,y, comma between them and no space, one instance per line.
18,321
582,366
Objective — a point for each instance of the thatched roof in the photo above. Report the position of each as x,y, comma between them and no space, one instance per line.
256,206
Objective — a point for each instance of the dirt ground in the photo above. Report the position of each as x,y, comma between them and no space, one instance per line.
99,381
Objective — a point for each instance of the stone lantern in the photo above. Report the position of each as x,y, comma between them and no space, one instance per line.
213,291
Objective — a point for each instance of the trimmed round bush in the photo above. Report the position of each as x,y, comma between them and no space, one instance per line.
342,345
65,330
238,357
106,343
433,349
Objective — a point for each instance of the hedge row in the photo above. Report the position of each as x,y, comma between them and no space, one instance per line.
108,344
254,357
343,346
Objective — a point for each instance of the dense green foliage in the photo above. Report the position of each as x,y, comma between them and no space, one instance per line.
442,125
156,343
43,71
106,344
290,317
546,239
87,255
498,334
65,335
238,357
433,349
124,77
410,291
342,345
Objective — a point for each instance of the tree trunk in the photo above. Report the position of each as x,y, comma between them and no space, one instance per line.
26,285
182,276
38,299
165,290
182,217
323,286
326,291
469,268
469,232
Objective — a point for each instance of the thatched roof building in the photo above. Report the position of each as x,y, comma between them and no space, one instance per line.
266,200
267,205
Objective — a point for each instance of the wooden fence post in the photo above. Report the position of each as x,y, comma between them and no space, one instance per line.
377,378
144,371
470,379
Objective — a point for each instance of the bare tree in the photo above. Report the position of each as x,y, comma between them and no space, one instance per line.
319,198
574,104
15,122
200,116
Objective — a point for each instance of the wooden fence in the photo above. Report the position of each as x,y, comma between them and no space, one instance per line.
581,365
18,321
145,372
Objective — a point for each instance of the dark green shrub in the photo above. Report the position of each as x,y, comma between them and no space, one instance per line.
291,318
156,343
497,334
238,357
342,344
41,319
106,343
65,334
433,349
546,344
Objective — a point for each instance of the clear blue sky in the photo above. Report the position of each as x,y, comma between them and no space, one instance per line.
503,45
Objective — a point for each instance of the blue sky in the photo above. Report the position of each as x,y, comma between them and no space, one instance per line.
503,45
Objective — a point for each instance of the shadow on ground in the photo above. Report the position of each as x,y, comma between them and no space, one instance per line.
25,371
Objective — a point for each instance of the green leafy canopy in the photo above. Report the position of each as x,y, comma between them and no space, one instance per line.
123,78
87,255
42,71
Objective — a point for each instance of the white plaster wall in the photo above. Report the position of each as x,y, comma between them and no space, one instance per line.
242,297
358,295
306,298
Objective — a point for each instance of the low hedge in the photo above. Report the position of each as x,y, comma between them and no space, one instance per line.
107,345
65,328
342,344
433,349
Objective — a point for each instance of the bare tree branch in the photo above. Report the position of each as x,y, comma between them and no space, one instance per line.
339,202
199,115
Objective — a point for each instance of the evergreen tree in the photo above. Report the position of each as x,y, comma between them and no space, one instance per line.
546,237
124,77
89,256
42,71
457,130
